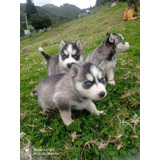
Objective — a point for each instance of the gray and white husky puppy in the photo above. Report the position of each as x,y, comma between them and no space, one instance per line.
69,53
106,54
74,90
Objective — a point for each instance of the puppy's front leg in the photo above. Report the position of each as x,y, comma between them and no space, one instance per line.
66,116
110,73
92,108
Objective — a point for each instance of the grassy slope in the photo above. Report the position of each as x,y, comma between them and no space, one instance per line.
121,105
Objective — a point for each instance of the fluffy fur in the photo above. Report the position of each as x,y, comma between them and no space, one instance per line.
106,54
69,53
74,90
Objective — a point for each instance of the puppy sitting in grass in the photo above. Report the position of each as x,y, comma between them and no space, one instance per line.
106,54
74,90
61,63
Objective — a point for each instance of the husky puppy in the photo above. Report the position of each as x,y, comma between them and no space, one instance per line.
74,90
106,54
61,63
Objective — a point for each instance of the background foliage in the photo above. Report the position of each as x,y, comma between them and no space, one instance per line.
57,15
30,8
39,21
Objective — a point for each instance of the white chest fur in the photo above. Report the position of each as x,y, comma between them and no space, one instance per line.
79,106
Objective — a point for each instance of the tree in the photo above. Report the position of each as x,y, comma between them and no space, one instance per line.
39,21
30,8
46,21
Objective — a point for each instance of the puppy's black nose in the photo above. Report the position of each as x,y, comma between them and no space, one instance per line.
69,65
101,94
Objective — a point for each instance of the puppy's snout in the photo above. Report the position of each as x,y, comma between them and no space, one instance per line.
101,94
127,43
69,65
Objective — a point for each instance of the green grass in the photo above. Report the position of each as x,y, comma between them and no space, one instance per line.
115,135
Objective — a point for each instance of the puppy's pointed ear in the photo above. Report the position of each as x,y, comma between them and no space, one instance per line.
106,38
62,43
79,44
107,34
111,38
74,69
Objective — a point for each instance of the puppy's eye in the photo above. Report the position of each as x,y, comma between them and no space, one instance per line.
76,57
102,80
88,83
123,42
64,56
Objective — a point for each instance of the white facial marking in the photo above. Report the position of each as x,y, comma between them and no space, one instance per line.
122,47
99,75
94,70
69,48
66,53
69,60
127,45
121,36
74,52
89,77
96,73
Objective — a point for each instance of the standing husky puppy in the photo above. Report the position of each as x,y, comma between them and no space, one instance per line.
61,63
106,54
74,90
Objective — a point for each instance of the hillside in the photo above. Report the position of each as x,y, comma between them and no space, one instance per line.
58,15
115,135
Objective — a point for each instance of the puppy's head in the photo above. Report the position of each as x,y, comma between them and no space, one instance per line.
120,43
70,53
89,80
113,44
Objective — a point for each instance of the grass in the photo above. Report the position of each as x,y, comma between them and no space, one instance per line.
115,135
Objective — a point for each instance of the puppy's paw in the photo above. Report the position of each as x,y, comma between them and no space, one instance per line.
68,122
112,82
99,112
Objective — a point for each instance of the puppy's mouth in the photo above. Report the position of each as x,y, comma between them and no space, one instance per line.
69,65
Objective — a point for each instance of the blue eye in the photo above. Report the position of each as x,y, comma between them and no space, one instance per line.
102,80
64,56
76,57
88,83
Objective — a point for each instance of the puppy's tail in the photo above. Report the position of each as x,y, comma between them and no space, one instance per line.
44,54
